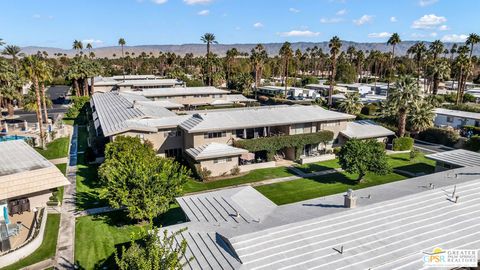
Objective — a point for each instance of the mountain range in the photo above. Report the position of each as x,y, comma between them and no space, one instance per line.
220,49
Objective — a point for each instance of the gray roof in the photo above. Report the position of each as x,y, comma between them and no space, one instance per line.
214,150
365,129
149,82
463,114
17,156
182,91
134,77
162,103
239,98
112,111
388,229
259,117
459,157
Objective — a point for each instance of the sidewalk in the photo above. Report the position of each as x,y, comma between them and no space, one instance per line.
64,257
59,160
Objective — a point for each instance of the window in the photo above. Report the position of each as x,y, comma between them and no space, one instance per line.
449,119
173,153
173,133
222,160
211,135
477,123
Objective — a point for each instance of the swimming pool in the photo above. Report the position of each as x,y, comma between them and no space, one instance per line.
4,138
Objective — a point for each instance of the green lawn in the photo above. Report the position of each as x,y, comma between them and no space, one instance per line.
46,249
82,138
88,186
253,176
97,237
309,188
319,166
55,149
63,168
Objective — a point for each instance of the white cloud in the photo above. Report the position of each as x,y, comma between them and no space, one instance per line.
423,35
38,17
159,2
331,20
195,2
294,10
379,35
258,25
204,12
363,20
92,41
454,38
424,3
341,12
443,27
428,21
393,19
299,33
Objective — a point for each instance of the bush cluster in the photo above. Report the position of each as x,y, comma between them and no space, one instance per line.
78,104
402,144
473,144
439,135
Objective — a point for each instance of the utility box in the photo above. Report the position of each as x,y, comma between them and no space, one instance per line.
350,200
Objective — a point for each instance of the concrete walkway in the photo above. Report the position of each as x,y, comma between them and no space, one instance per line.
64,257
59,160
94,211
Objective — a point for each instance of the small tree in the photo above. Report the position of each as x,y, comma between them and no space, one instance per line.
134,177
360,157
154,251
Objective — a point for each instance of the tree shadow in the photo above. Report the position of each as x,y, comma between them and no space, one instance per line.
333,178
313,167
417,168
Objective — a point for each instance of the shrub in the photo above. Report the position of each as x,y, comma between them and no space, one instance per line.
203,173
336,150
235,170
309,80
468,131
439,135
473,144
369,109
402,144
463,107
414,154
77,106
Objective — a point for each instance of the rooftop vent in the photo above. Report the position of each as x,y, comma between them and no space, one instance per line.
350,200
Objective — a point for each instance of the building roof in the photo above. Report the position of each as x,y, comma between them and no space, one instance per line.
238,98
463,114
150,82
365,129
134,77
459,157
24,171
112,110
390,227
214,150
182,91
259,117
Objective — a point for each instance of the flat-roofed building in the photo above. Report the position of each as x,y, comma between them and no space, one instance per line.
393,226
133,82
455,159
456,119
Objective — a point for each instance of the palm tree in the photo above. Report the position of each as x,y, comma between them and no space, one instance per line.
421,116
121,43
453,51
209,39
258,57
31,69
399,101
44,75
351,104
230,61
441,71
436,48
463,64
12,51
418,51
351,52
359,59
286,53
472,40
393,40
335,44
2,42
78,46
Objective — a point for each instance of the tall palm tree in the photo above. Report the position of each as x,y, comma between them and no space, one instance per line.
44,75
335,44
12,51
257,58
209,39
400,100
393,41
286,53
2,42
472,40
231,54
453,51
418,51
436,48
463,65
31,70
351,104
122,43
359,59
78,46
351,52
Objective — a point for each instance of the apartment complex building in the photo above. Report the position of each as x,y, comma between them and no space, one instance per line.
209,138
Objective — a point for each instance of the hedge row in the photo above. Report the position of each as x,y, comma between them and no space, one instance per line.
275,143
402,144
439,136
473,144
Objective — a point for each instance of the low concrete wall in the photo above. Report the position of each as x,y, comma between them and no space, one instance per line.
255,166
306,160
27,249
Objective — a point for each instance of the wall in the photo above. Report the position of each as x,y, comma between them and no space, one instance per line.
28,249
458,122
219,169
198,139
255,166
316,159
160,141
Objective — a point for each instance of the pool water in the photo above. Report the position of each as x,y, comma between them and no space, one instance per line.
4,138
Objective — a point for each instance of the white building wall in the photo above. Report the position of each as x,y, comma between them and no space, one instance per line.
453,121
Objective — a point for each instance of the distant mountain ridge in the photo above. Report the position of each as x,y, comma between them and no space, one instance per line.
220,49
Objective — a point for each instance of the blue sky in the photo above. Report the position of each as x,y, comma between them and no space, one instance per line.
57,23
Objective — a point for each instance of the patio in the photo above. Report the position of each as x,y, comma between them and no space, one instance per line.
18,230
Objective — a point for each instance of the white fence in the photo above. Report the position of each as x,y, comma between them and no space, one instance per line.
306,160
263,165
